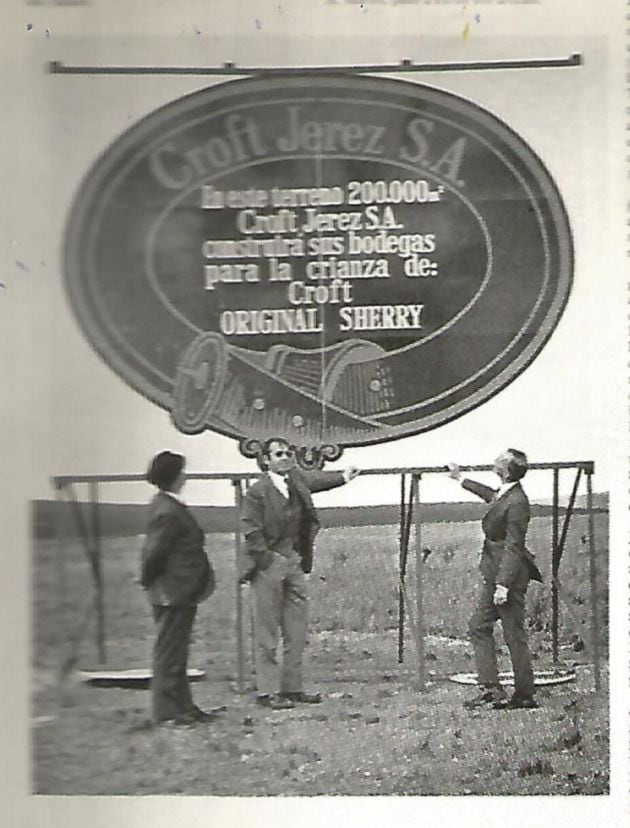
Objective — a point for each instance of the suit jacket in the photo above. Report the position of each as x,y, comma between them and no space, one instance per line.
505,558
264,518
174,568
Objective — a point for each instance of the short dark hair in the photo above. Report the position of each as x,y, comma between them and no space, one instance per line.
266,448
517,464
164,469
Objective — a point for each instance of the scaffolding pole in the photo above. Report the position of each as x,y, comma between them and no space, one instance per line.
240,646
415,482
593,579
409,511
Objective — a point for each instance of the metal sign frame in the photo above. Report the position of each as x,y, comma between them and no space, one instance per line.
89,532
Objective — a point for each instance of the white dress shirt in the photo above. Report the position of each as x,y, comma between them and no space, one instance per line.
280,482
504,487
175,497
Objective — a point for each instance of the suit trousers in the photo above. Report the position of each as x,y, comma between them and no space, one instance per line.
171,694
481,632
281,607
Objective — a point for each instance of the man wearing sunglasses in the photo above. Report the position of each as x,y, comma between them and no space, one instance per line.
280,524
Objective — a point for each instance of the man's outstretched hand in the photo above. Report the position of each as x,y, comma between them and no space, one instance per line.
454,471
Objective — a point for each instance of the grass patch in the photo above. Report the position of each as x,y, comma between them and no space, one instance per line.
375,733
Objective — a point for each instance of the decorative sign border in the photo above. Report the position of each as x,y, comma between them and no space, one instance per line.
492,286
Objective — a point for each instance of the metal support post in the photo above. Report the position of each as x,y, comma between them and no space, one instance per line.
240,648
405,531
59,550
91,556
97,567
558,545
419,582
554,566
593,578
401,574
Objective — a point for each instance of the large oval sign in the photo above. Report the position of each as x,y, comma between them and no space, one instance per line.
342,260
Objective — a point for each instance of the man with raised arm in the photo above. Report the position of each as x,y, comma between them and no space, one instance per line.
279,522
506,568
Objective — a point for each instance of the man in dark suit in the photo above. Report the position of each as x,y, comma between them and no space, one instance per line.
280,524
506,568
176,573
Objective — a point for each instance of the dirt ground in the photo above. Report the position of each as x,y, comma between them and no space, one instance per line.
376,731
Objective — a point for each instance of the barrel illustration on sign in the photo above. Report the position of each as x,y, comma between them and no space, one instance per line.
341,260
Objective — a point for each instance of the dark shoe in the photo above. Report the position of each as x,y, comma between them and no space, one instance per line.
183,720
517,703
302,698
187,720
274,702
488,696
144,725
206,715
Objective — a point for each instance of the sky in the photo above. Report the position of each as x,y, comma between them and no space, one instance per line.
65,412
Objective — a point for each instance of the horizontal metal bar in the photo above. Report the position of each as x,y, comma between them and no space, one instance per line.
61,481
58,67
64,479
579,464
